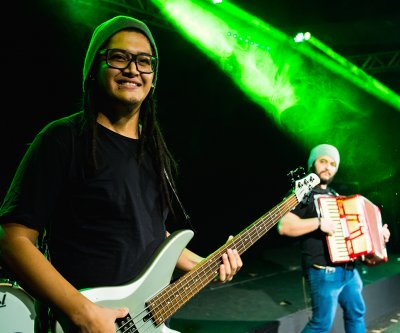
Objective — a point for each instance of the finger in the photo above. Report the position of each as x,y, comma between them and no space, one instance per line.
222,272
386,235
121,312
239,262
226,260
232,255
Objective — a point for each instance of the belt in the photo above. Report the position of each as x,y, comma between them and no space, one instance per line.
347,266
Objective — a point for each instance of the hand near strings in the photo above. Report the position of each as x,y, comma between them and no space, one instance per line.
231,264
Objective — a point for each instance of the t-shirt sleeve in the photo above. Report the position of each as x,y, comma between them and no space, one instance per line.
38,179
307,208
299,210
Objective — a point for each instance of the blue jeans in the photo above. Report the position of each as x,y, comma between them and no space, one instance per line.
330,287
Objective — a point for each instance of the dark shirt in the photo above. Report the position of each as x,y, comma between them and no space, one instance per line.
314,246
101,229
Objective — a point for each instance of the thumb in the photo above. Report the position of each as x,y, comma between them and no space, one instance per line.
229,238
121,312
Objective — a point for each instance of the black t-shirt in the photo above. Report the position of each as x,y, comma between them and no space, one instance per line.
314,247
101,229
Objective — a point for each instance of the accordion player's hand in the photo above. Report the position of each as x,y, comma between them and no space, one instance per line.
385,233
327,226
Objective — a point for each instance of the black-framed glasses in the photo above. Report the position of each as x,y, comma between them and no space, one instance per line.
121,59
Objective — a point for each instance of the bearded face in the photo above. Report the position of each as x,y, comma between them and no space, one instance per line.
325,168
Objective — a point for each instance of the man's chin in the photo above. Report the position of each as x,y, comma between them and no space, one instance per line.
325,181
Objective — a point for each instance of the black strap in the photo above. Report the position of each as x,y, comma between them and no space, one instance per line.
187,217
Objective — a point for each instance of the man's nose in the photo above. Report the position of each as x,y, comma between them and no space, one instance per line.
132,68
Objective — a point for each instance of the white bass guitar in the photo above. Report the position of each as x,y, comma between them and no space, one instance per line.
152,299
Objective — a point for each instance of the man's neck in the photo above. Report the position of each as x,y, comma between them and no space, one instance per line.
126,126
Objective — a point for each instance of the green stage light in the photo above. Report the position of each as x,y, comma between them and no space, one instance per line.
301,37
308,90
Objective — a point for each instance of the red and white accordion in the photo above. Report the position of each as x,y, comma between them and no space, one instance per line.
358,230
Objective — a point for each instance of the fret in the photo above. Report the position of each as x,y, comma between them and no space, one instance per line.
173,297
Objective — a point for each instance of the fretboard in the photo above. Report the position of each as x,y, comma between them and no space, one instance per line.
174,296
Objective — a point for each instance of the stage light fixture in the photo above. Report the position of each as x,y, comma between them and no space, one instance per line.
301,37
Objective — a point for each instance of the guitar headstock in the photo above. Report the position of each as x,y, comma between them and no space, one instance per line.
304,186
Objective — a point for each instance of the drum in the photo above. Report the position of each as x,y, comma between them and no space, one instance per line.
17,309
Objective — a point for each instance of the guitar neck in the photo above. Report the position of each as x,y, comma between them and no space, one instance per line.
173,297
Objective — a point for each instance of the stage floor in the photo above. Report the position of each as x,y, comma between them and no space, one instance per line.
269,289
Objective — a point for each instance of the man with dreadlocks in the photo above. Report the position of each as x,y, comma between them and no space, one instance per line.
96,187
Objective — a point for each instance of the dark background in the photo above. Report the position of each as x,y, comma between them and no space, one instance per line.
233,160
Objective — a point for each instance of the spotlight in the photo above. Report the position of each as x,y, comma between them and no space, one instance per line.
301,37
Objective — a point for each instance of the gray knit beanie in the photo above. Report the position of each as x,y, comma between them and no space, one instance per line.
324,149
108,28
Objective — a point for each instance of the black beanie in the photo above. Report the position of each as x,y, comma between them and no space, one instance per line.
108,28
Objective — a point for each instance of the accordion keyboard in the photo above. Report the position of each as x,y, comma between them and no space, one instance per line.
337,242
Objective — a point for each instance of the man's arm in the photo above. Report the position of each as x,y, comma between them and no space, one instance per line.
293,226
39,277
231,262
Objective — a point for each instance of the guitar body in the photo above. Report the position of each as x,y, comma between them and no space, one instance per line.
135,294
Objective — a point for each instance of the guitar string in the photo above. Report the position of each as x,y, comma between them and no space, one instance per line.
288,204
252,229
208,268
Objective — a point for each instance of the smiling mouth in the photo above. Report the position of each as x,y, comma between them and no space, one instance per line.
128,84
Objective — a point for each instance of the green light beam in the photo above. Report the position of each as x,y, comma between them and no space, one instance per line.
307,89
355,74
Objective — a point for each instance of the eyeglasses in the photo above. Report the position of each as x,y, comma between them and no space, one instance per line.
121,59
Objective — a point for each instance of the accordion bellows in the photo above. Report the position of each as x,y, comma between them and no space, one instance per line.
358,230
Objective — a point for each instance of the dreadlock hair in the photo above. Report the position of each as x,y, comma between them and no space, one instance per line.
151,139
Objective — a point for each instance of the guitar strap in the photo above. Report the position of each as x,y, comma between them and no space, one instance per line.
187,217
